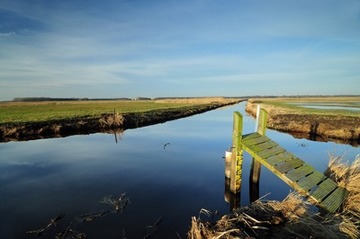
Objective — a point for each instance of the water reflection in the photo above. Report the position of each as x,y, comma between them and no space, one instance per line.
233,199
43,178
352,106
318,138
254,180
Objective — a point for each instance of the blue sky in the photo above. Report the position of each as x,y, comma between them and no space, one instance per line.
153,48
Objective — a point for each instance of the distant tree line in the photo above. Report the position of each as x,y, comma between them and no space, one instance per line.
32,99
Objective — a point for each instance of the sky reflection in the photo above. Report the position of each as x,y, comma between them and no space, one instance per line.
43,178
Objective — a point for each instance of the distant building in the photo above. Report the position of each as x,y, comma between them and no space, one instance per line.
143,98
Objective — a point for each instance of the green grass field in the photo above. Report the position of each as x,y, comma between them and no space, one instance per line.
16,112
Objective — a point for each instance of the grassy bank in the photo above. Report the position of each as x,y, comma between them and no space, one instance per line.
294,105
35,120
23,112
290,115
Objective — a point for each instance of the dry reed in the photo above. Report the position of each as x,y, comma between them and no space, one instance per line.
199,100
293,217
112,120
347,176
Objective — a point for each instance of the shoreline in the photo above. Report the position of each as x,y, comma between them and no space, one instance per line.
318,127
106,123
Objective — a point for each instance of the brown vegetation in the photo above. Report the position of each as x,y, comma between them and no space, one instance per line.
200,100
324,127
293,217
113,121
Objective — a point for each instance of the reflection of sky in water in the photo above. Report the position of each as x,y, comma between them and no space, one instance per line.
43,178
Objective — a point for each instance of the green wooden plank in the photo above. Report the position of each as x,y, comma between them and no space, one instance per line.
260,147
311,180
286,156
300,172
270,152
334,200
323,189
276,159
254,136
251,136
289,165
254,141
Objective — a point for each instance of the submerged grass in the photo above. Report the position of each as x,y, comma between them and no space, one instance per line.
293,217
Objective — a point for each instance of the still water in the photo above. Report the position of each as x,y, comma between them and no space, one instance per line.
350,106
43,178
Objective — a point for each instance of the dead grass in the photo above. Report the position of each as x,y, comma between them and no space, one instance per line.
348,176
112,121
293,217
200,100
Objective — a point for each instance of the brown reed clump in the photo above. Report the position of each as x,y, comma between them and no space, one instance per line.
293,217
290,218
112,120
347,176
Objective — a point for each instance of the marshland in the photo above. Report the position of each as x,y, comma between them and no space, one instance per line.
150,181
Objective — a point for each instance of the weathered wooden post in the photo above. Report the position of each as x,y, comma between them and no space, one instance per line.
261,118
237,154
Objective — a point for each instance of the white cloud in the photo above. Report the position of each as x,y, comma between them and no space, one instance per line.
7,34
179,43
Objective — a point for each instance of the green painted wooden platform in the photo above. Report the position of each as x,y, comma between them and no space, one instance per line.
301,176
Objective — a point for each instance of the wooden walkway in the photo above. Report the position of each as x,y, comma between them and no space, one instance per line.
302,177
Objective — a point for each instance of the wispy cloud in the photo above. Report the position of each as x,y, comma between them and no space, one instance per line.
205,45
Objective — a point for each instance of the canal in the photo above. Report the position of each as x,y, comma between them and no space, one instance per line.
168,171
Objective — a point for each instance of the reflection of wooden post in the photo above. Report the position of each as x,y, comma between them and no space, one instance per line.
228,158
233,199
261,118
237,154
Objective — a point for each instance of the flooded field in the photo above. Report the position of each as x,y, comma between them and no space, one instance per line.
168,171
352,106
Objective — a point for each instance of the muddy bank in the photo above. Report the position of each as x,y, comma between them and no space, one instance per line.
337,128
106,123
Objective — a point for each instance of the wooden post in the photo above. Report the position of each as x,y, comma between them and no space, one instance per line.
256,165
237,154
262,122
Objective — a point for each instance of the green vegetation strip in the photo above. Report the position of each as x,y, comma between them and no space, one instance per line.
21,112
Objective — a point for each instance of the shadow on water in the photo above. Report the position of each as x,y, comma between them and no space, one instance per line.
313,136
